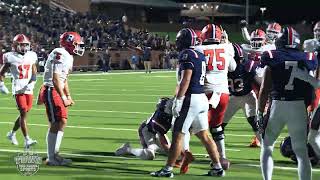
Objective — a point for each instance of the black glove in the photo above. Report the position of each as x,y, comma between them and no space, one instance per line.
243,23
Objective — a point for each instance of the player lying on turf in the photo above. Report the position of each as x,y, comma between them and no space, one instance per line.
152,133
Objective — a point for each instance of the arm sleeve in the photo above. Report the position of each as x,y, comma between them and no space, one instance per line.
245,34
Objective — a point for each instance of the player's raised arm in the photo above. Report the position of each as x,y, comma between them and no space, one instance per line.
244,30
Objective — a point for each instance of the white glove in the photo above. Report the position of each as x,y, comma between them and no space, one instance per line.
177,105
3,88
31,85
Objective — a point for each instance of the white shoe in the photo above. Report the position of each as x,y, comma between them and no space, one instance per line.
12,137
122,150
29,142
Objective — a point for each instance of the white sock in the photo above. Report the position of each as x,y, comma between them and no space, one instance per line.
186,141
26,138
266,162
221,148
13,133
216,165
51,141
58,142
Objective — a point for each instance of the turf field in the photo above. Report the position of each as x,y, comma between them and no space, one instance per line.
107,113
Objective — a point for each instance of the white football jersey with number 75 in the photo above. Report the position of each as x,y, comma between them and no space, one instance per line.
219,60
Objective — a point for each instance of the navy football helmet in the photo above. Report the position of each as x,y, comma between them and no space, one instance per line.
287,151
289,39
165,105
186,37
238,53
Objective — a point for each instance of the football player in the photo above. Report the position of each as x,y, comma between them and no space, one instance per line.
252,53
190,106
152,133
273,31
21,62
288,95
313,45
242,97
55,92
219,61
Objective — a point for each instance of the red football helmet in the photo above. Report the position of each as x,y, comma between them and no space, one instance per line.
257,38
21,43
211,33
316,31
72,42
273,31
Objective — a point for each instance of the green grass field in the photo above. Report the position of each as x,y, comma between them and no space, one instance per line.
108,111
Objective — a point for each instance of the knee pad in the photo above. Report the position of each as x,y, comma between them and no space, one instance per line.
148,154
217,133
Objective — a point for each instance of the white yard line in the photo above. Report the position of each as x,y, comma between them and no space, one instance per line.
74,110
119,157
113,129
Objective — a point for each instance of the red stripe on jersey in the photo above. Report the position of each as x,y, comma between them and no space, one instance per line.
290,34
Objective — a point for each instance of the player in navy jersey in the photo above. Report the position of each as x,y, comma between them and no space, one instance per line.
242,97
290,96
152,133
190,106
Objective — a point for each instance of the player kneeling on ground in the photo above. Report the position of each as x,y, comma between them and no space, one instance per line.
55,93
152,133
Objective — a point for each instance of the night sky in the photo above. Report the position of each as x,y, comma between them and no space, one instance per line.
283,11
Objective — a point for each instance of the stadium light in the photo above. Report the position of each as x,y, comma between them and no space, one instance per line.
217,7
184,5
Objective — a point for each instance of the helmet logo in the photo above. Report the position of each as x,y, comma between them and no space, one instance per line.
70,38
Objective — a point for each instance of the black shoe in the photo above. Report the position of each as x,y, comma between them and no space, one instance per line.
162,173
216,172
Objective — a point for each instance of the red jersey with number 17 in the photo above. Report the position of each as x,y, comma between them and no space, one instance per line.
21,70
219,61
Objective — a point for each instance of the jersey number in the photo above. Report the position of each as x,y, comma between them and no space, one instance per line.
235,85
203,73
291,65
23,71
214,59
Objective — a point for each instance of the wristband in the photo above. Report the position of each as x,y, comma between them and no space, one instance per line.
68,97
64,97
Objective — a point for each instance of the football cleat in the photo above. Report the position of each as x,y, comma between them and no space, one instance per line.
188,158
62,160
122,150
162,173
216,172
30,142
225,163
12,137
255,142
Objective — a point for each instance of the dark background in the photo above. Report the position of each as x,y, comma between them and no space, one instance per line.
282,11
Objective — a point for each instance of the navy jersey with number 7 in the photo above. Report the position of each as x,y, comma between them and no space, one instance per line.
284,84
194,60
